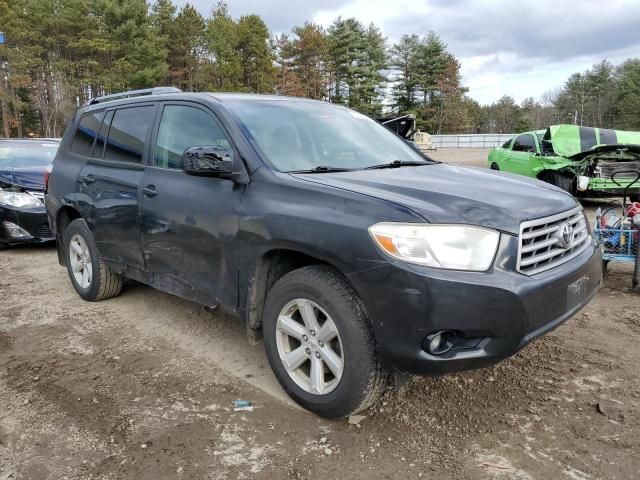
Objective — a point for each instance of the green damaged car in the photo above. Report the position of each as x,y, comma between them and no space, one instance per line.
584,161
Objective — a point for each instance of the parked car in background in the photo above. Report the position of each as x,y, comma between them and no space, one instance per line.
23,165
359,259
580,160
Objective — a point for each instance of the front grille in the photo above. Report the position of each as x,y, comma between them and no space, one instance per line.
606,168
44,232
542,246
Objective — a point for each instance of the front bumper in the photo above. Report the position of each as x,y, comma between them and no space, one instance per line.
496,313
605,187
33,220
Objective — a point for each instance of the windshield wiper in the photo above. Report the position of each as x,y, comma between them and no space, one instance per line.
322,169
396,164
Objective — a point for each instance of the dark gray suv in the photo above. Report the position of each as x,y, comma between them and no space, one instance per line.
356,257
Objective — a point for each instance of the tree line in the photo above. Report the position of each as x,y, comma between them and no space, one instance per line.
60,53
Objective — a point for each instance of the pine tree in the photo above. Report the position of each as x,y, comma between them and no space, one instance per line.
221,38
404,60
134,54
357,57
627,103
162,20
187,53
303,62
255,54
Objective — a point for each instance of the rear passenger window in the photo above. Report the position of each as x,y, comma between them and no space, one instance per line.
182,127
127,134
86,133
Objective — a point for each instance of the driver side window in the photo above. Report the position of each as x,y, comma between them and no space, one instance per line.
524,143
182,127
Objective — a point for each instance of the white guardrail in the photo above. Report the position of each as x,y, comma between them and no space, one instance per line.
482,140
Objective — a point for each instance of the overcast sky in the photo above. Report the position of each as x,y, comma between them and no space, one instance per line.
512,47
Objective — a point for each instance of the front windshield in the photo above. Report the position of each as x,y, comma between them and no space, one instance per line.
301,135
27,154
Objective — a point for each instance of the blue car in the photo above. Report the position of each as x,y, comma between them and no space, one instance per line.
23,166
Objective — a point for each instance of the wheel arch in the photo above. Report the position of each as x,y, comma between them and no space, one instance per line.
271,265
64,217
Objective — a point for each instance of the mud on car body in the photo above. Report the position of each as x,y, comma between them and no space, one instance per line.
23,164
356,257
584,161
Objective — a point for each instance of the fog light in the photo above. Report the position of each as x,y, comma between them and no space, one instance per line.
438,343
16,232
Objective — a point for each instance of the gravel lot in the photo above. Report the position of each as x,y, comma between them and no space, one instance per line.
141,386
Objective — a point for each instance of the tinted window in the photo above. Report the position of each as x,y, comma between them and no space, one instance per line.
98,149
182,127
86,133
524,143
127,134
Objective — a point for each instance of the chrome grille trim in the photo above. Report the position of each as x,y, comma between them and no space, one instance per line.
539,249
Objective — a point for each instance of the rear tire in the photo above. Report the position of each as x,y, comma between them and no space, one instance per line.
88,273
4,246
494,166
322,295
564,182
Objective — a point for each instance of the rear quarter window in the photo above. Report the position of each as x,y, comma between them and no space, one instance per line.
86,132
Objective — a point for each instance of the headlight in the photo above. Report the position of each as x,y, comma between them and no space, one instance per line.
454,247
18,199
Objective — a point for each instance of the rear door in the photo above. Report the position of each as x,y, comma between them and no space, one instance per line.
519,158
110,180
189,224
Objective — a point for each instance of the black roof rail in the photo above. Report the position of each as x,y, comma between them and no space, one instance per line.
132,93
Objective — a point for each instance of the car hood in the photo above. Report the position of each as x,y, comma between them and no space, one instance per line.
575,141
31,178
600,149
442,193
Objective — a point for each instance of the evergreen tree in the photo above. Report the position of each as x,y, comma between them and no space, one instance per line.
255,55
134,54
222,41
163,17
358,57
187,52
627,103
404,60
303,62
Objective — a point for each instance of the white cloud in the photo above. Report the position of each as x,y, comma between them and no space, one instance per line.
518,48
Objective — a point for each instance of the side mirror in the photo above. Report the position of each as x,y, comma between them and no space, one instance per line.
208,161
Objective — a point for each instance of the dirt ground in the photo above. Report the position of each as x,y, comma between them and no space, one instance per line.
142,386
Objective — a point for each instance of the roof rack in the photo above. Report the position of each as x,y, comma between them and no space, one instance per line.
133,93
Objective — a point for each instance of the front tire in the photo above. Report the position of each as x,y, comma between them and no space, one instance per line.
89,275
320,344
4,246
564,182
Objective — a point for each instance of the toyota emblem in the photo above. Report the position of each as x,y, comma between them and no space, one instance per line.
566,235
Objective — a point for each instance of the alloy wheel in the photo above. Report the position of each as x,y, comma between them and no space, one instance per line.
80,258
309,346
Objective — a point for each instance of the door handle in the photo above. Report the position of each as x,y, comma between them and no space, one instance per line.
149,191
87,179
